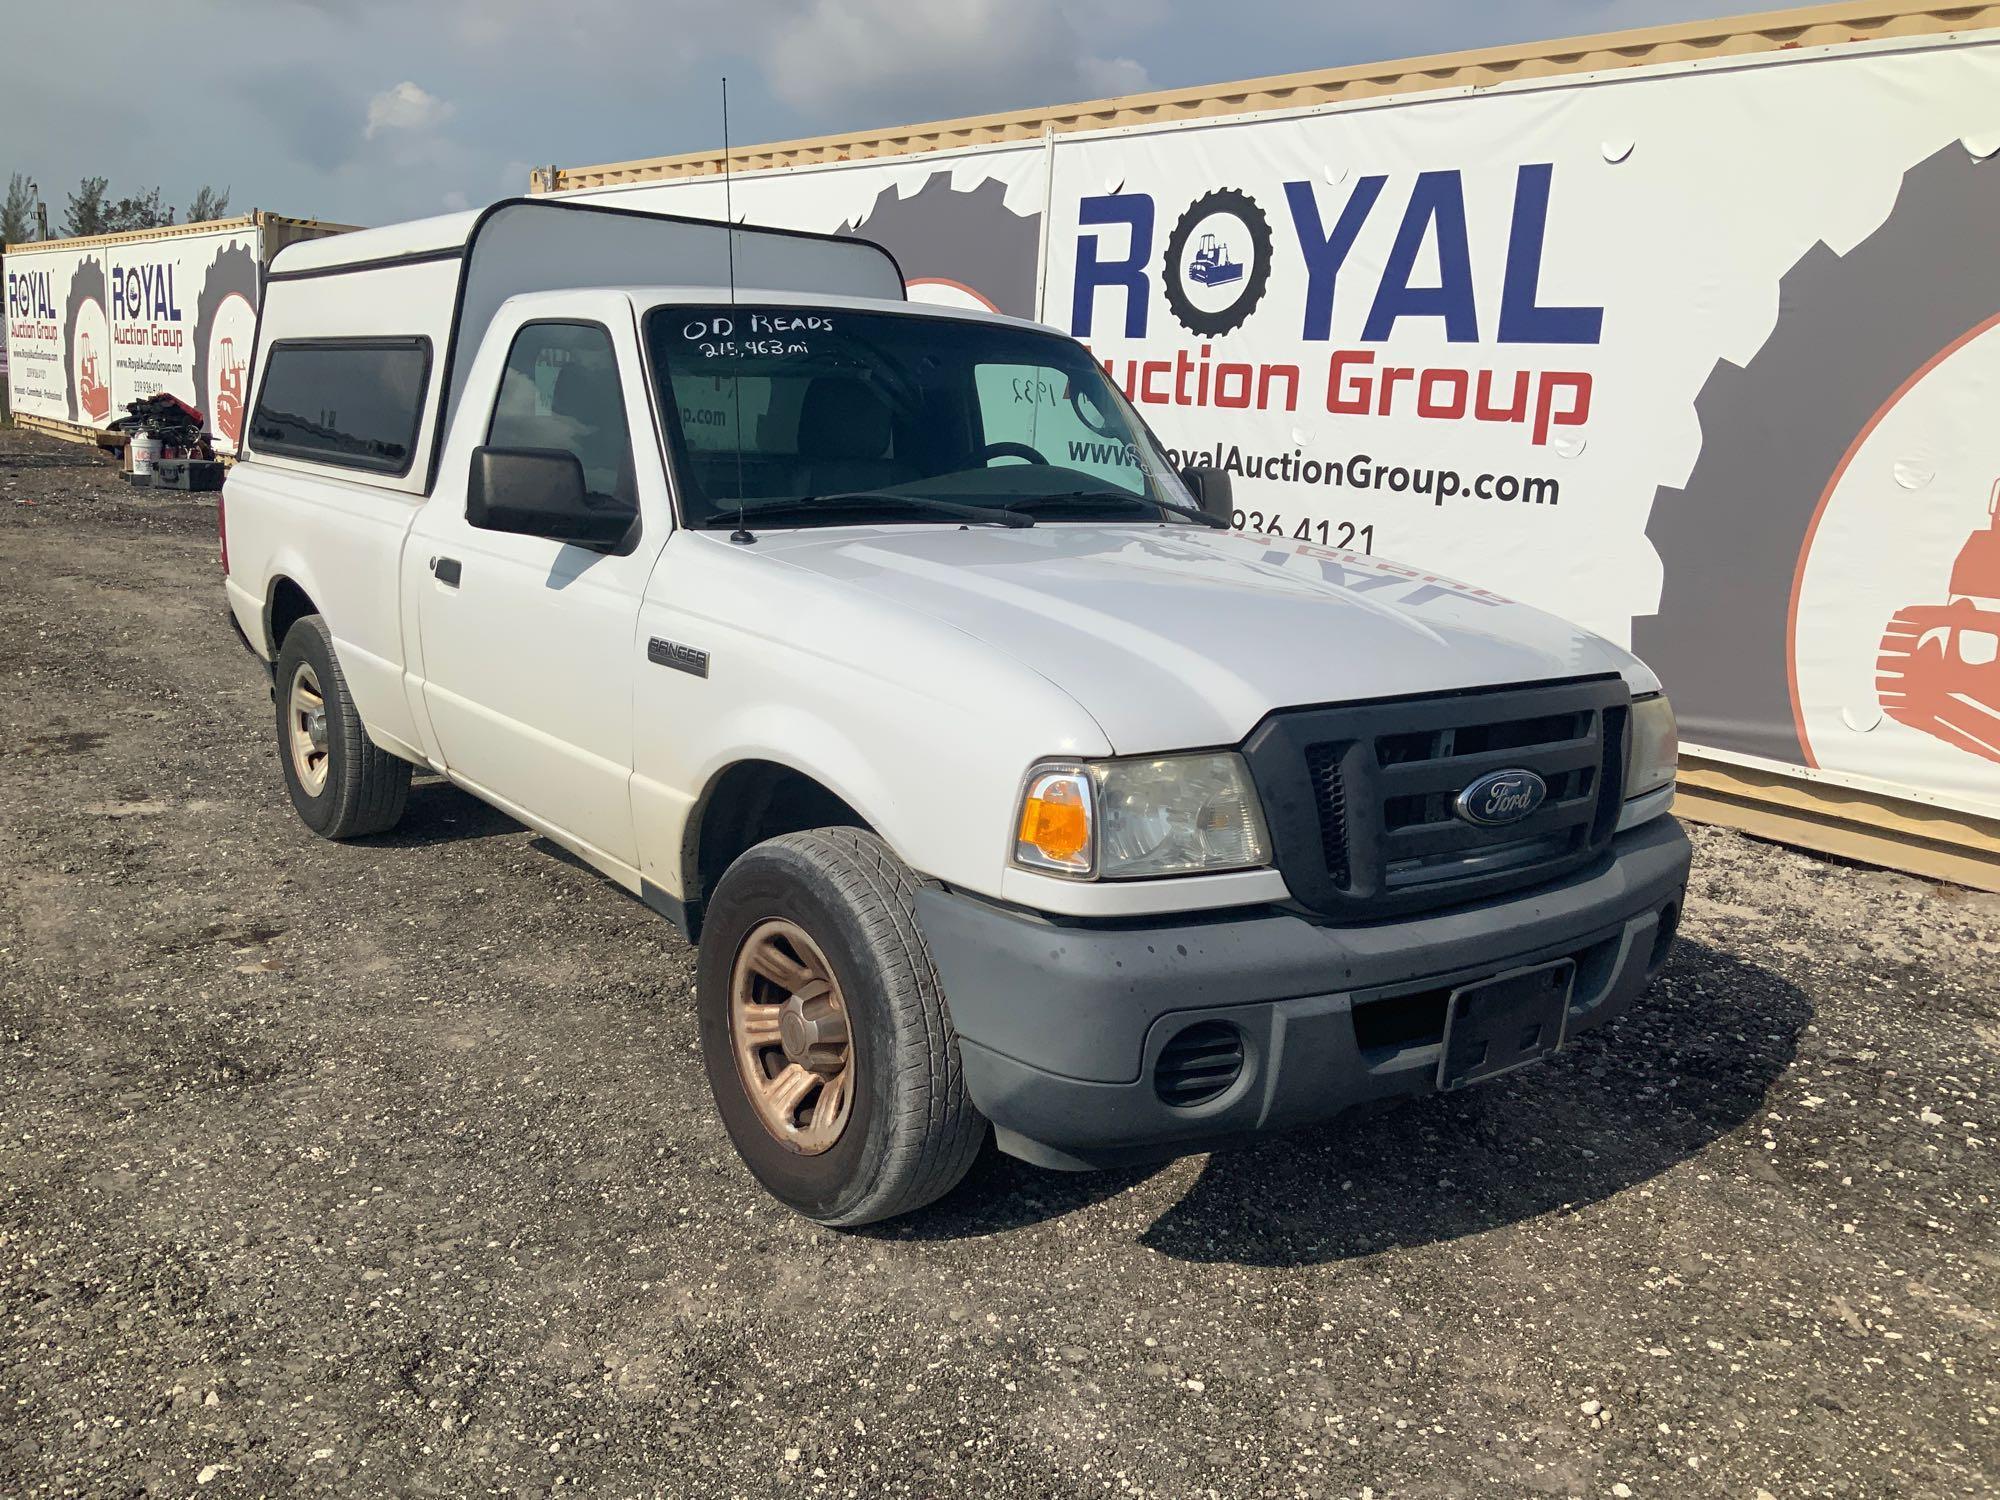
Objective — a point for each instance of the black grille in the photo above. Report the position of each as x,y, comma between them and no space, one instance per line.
1199,1064
1323,765
1361,798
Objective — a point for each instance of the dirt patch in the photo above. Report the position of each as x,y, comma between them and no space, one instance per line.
390,1168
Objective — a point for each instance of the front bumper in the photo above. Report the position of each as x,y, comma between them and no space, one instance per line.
1061,1027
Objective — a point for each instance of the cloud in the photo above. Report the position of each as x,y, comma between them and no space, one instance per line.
948,56
615,79
1110,77
406,107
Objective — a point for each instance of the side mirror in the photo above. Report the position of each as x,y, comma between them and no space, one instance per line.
538,492
1210,487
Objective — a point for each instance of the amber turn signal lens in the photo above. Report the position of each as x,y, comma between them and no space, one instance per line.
1140,817
1055,823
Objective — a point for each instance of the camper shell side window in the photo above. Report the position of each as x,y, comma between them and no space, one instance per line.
350,403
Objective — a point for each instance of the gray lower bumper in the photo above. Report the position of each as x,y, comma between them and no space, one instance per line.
1061,1026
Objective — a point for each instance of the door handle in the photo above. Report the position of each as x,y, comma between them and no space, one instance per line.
447,570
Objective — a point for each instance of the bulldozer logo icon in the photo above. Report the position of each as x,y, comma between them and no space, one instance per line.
88,336
229,392
1211,265
1938,669
93,394
1217,262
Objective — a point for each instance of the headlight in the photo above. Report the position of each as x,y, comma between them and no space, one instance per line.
1654,754
1128,819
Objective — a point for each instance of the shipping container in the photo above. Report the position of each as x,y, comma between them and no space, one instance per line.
97,322
1691,334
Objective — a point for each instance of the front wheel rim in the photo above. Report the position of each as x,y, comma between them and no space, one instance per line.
788,1029
305,719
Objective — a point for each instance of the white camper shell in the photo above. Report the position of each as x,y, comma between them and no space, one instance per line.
441,280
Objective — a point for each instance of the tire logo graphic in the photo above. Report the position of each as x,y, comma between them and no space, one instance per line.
89,339
1757,666
1217,262
225,328
958,247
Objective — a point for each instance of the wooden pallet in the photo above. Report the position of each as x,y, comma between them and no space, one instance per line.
1872,828
69,432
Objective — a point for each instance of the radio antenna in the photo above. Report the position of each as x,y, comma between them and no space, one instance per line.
742,535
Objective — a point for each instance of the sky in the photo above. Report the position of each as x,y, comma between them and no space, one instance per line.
368,111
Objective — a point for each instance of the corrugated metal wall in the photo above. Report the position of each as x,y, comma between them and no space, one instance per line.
278,230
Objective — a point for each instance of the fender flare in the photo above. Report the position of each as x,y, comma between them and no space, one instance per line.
291,569
837,764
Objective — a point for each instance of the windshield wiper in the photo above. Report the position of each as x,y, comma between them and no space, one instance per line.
811,505
1130,499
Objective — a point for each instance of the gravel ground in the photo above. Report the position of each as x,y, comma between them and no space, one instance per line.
390,1168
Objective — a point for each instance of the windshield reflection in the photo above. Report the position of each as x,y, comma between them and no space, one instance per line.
828,416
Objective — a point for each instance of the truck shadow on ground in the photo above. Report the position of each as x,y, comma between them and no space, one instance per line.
439,813
1691,1063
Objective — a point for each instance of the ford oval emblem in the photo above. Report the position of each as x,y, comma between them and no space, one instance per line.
1501,797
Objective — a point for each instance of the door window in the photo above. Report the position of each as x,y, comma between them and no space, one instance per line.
560,390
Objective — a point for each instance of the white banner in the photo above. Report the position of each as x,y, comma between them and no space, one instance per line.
92,329
183,313
58,336
1701,358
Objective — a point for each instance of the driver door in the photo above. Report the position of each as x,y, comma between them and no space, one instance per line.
529,643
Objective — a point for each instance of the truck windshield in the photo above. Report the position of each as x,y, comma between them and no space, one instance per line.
824,416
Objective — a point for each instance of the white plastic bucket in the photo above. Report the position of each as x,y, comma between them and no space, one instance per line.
145,452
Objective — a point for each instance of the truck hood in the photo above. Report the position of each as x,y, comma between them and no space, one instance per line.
1173,637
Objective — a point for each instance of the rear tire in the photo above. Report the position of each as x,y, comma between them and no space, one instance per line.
342,784
831,913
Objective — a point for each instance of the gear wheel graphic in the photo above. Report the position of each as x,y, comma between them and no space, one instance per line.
233,273
1227,319
968,237
86,286
1851,329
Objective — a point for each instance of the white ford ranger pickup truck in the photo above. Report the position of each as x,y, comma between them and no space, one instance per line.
878,647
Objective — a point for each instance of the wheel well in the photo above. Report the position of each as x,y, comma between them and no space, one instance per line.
752,801
288,605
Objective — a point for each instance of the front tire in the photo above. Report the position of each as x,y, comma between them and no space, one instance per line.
825,1034
342,784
